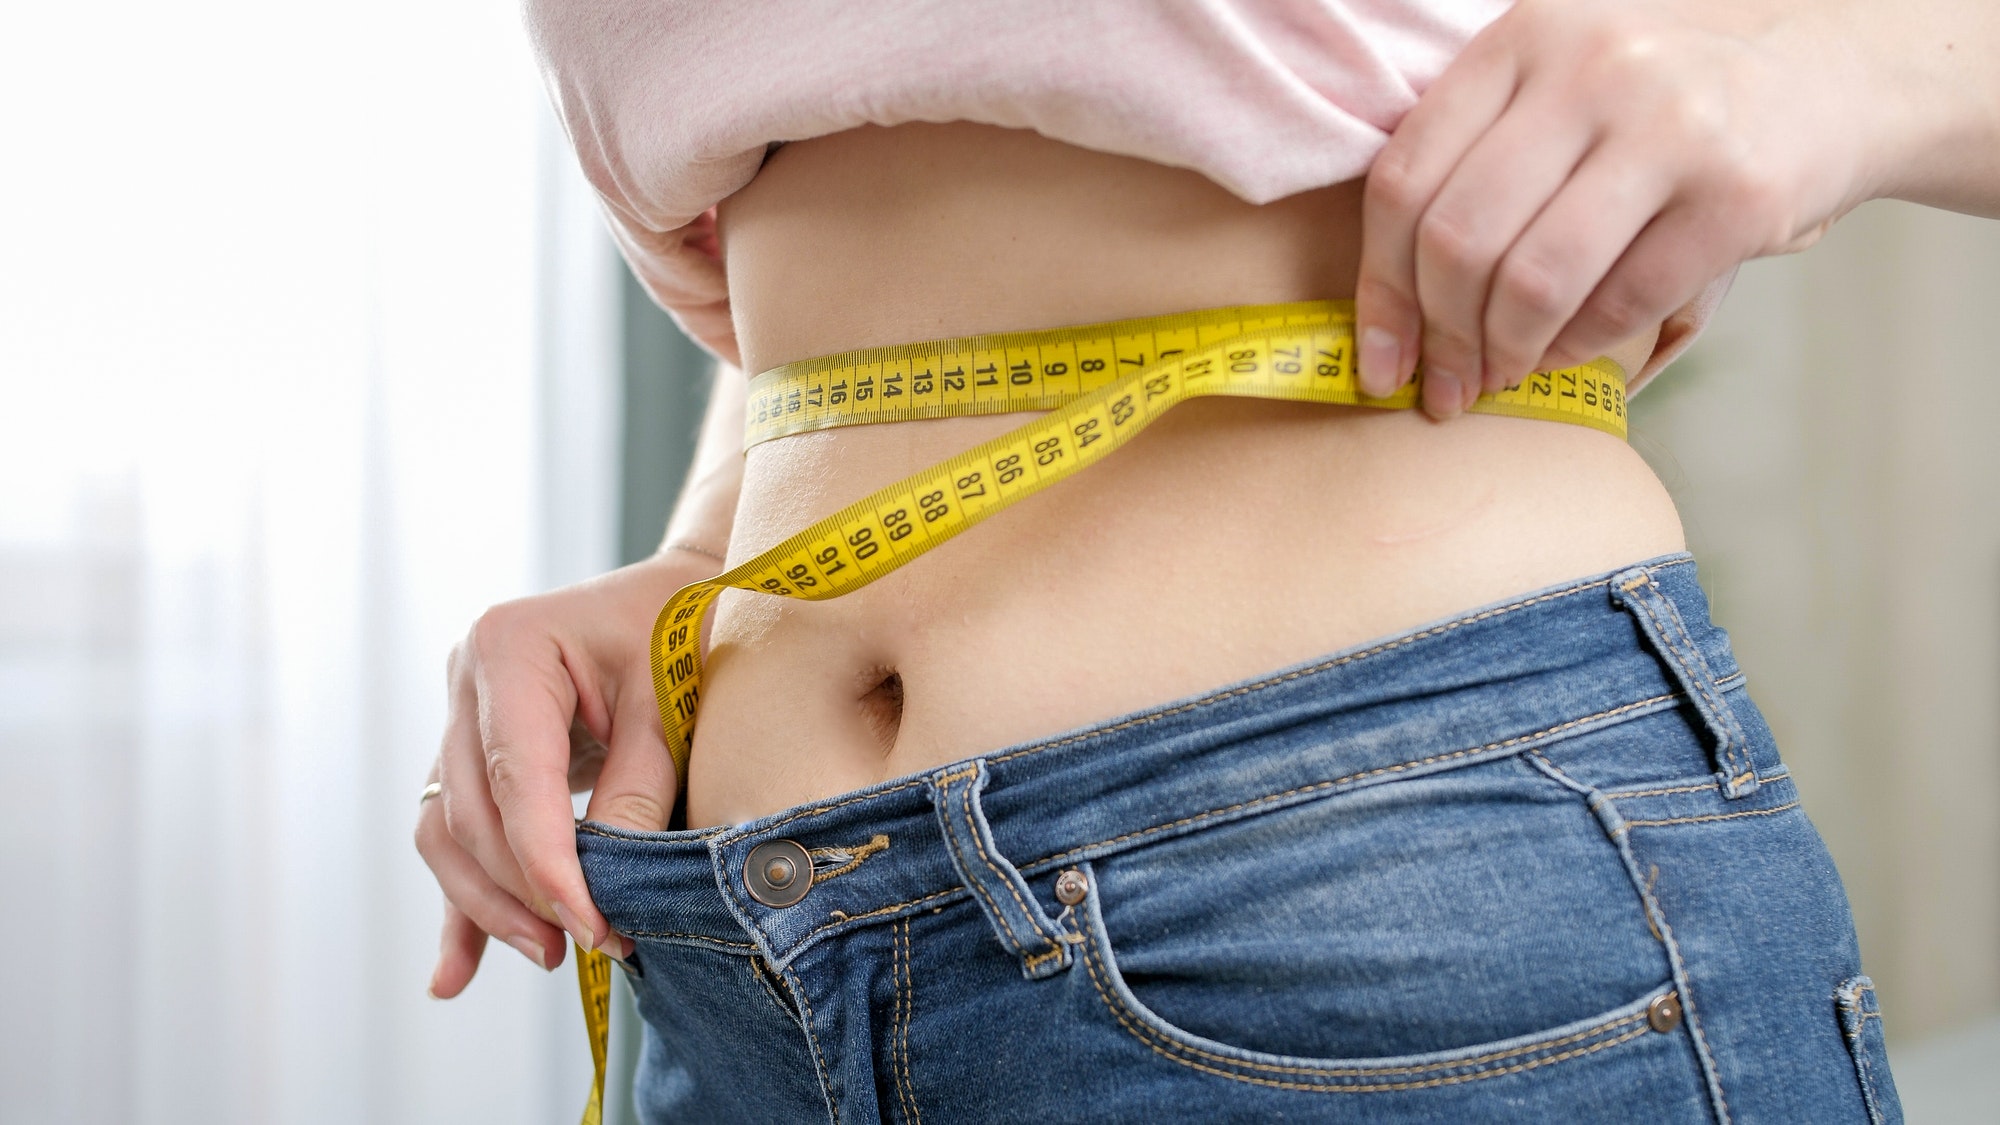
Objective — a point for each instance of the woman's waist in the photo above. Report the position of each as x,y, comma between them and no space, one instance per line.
1231,538
1538,671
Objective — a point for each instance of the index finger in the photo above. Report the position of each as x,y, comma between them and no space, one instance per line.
1429,142
525,708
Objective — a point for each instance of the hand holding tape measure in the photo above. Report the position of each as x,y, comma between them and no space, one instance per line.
1101,385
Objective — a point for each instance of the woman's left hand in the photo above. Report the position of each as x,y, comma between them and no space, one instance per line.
1585,167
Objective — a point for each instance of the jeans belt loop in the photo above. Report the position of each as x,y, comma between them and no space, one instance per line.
1661,623
1009,904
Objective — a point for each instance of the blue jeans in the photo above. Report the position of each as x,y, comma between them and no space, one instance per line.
1539,862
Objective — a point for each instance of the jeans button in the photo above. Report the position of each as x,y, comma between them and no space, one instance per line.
1664,1014
1071,887
778,873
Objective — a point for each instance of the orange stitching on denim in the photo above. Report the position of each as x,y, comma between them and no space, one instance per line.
875,913
1694,1022
910,978
1033,960
906,1004
805,1008
1655,792
665,933
978,888
1652,903
1696,661
1364,1071
856,799
764,978
896,1016
1170,1050
1339,781
965,798
1712,816
1557,773
1694,669
1603,798
1621,795
856,854
1392,1087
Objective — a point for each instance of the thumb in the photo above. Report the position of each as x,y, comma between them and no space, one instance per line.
636,787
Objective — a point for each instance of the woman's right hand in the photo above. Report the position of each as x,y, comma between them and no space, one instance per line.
549,695
1585,167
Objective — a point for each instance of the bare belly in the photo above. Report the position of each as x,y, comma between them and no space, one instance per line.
1231,538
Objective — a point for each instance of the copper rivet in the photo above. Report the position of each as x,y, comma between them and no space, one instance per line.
778,872
1664,1014
1071,887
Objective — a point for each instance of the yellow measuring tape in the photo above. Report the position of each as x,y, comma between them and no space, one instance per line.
593,976
1100,384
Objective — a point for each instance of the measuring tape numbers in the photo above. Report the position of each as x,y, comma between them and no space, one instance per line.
1100,386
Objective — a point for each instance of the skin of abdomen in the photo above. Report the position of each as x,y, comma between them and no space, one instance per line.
1232,538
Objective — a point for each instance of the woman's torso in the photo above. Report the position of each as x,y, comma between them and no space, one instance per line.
1231,538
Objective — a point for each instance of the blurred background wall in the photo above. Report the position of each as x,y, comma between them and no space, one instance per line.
311,347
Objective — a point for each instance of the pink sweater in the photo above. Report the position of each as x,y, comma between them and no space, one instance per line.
672,104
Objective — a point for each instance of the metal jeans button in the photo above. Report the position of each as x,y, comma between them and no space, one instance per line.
778,873
1664,1014
1071,887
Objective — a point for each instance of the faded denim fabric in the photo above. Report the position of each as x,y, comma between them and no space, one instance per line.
1538,862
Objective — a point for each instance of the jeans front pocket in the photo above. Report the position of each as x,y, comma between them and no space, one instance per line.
1428,931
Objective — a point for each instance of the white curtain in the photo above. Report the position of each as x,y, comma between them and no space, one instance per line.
305,345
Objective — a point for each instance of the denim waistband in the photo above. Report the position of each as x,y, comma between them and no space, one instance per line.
1494,681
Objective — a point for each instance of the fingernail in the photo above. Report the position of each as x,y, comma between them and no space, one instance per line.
584,937
531,949
1381,360
1444,391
